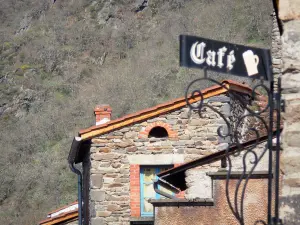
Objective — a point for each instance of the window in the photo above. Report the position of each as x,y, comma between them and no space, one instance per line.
147,177
158,132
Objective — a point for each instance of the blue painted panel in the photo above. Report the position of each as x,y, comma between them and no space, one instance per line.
147,174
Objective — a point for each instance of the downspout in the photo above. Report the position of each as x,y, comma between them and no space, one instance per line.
75,170
72,155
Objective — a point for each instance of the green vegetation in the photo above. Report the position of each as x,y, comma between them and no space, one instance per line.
57,61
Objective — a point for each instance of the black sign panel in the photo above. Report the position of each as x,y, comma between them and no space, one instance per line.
225,57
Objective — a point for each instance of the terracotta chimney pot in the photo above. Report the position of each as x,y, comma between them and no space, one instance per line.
102,113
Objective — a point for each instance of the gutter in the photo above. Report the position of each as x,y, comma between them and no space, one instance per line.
71,160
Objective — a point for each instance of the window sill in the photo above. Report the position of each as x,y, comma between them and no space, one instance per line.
141,220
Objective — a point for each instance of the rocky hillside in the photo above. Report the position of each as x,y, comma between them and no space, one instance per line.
60,58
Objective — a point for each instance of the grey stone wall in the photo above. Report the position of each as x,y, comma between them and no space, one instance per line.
276,50
289,12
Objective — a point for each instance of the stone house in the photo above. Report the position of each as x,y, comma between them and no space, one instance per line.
120,158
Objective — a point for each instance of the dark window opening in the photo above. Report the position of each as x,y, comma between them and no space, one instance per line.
142,223
158,132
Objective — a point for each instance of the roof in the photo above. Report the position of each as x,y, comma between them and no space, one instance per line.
175,177
64,214
142,115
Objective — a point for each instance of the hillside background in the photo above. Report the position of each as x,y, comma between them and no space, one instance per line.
58,60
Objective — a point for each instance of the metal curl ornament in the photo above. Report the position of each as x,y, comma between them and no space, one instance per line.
232,129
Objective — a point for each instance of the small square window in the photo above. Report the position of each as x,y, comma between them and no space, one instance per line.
147,177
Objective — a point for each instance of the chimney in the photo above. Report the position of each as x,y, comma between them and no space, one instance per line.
102,113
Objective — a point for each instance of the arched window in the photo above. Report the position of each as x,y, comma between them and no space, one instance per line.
158,132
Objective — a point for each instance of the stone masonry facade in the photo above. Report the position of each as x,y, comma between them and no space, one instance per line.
116,157
289,13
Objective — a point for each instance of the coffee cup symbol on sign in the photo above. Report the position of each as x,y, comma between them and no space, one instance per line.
251,62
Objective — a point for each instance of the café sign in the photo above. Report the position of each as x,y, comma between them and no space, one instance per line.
225,57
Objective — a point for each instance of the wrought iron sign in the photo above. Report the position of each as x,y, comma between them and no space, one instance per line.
224,57
242,61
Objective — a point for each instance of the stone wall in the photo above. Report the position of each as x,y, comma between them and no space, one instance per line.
276,50
117,156
289,13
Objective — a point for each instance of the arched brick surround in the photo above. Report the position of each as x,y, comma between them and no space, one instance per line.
145,132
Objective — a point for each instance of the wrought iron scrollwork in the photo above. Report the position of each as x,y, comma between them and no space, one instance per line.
232,129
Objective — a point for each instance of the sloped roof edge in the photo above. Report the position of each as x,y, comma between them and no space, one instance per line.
142,115
64,207
65,217
68,215
176,176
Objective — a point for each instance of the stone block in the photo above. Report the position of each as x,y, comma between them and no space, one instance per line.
291,82
289,9
292,135
116,198
131,149
291,46
103,156
113,208
124,144
125,129
199,122
94,164
103,164
116,165
97,180
97,195
130,135
184,137
98,221
206,152
185,114
107,170
104,149
212,138
290,160
115,185
103,213
293,182
108,180
226,110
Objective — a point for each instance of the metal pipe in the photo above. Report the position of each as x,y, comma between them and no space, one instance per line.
78,172
71,160
277,171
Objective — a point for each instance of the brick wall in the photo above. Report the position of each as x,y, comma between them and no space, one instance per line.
219,213
135,190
